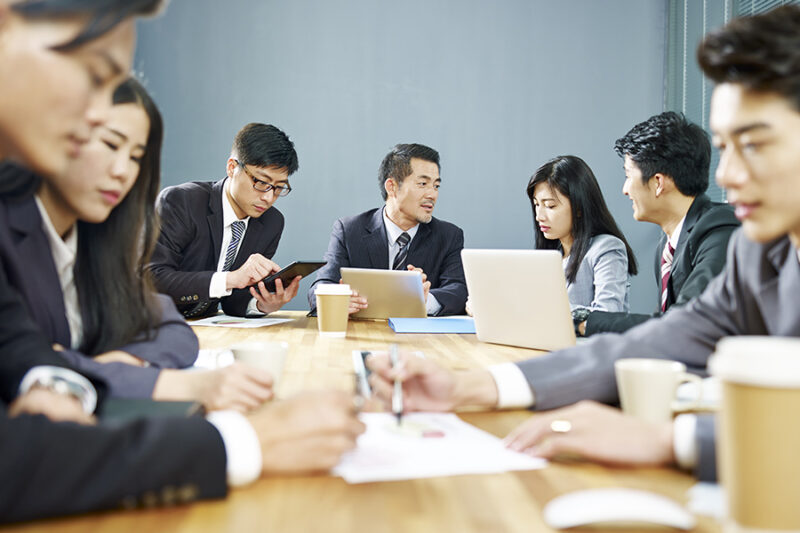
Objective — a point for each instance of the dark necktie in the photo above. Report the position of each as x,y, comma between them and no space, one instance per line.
237,230
402,253
666,270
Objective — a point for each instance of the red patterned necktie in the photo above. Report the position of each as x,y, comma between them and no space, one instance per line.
666,269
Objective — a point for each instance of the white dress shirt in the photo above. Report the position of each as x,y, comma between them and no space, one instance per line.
393,231
217,288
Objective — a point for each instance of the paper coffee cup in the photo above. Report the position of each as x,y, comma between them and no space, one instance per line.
758,432
647,387
269,356
333,301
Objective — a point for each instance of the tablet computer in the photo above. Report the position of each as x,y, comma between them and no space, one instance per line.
289,272
389,293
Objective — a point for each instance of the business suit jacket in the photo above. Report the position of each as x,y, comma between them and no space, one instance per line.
755,295
699,257
28,266
188,247
602,282
360,241
51,469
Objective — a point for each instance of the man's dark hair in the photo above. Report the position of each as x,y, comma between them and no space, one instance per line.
397,163
760,52
103,15
264,145
669,144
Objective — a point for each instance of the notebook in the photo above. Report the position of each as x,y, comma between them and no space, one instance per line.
519,298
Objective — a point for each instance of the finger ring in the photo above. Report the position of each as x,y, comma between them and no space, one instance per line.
560,426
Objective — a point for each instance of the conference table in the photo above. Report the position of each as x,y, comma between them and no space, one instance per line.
507,502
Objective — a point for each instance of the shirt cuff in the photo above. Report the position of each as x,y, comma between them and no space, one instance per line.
513,390
217,287
78,385
242,448
684,441
252,308
432,305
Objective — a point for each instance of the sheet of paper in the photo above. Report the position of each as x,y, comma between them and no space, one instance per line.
426,445
226,321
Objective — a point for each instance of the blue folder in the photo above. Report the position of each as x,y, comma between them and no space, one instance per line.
432,325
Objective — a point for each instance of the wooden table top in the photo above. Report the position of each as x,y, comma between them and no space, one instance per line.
510,502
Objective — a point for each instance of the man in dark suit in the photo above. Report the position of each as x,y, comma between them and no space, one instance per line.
217,239
755,120
666,175
403,234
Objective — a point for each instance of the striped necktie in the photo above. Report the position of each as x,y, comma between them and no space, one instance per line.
402,253
237,230
666,270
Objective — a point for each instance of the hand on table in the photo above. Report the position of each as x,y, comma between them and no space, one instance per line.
267,302
256,268
596,432
428,386
426,285
306,433
118,356
57,407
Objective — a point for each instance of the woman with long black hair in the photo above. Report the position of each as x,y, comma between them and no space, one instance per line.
570,215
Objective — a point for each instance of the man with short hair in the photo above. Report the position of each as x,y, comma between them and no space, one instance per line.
666,177
217,239
755,120
403,234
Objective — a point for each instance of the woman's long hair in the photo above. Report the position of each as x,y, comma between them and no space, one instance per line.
572,177
115,291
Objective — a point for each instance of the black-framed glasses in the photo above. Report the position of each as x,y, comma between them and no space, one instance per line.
263,186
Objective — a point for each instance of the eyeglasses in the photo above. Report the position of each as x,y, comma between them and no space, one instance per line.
263,186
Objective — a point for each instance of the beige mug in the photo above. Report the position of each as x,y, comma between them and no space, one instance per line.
269,356
333,301
758,432
647,387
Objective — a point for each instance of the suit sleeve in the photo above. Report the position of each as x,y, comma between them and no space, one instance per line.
336,257
236,303
587,371
452,290
177,232
610,278
706,469
63,468
22,345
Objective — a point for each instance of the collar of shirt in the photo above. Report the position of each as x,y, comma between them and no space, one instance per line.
62,250
676,233
228,214
393,231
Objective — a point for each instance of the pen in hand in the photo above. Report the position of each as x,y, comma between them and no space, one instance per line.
397,392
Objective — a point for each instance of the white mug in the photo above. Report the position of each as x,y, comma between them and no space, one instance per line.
269,356
647,387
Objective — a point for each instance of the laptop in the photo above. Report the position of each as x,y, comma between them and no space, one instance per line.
519,298
389,293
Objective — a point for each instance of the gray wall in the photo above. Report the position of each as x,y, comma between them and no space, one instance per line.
497,87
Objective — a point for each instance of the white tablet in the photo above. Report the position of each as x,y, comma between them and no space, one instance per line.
389,293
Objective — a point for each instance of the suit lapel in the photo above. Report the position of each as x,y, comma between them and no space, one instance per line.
33,253
215,219
376,241
681,268
420,248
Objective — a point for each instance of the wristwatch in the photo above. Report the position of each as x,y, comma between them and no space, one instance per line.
61,381
579,315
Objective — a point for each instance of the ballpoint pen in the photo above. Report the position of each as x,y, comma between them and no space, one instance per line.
397,392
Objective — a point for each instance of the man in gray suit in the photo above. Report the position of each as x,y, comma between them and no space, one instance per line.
755,120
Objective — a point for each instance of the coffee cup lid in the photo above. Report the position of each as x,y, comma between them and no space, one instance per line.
333,288
772,362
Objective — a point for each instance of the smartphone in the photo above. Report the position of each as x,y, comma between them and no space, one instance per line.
288,273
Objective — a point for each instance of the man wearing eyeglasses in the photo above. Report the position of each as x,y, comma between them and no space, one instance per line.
217,238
